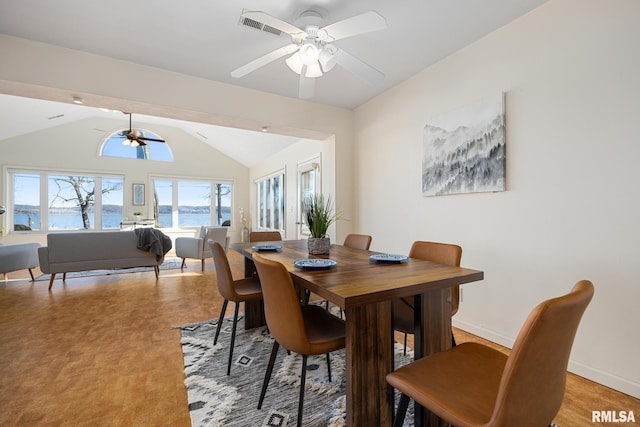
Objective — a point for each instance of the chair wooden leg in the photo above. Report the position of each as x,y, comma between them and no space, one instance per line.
303,377
30,273
202,266
53,276
329,366
267,375
233,336
405,344
402,411
183,262
220,319
156,270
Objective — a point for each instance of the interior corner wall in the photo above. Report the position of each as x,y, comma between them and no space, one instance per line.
569,71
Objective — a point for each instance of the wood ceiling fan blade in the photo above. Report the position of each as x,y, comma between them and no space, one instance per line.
307,86
359,24
264,60
358,67
149,139
272,21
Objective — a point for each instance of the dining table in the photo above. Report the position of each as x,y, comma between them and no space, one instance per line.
364,288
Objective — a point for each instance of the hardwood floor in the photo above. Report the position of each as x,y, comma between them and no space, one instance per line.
101,351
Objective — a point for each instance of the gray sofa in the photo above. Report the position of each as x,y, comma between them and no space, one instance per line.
21,256
81,251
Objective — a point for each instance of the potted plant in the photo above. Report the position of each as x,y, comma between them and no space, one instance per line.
319,213
137,215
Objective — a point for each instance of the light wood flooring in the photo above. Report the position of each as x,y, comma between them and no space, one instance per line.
101,351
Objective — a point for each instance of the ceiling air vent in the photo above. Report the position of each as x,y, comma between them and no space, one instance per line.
259,26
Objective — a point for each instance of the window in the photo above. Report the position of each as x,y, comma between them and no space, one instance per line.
308,184
194,203
26,202
191,203
44,201
113,147
270,194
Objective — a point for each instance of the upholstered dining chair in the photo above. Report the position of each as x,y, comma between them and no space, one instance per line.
265,236
247,289
307,330
474,385
441,253
197,247
357,241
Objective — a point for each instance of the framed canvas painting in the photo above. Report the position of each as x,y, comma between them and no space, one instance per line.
138,194
464,150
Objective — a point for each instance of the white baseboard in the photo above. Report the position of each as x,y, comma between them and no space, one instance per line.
607,379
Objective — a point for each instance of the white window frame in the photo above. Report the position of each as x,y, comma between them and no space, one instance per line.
262,221
175,180
44,175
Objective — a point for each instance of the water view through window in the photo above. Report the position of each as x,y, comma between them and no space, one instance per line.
58,201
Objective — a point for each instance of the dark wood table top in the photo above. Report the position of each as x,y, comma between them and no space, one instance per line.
357,280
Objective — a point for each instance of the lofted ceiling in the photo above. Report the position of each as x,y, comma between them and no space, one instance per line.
206,40
19,116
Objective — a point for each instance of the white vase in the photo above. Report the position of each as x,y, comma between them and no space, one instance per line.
319,245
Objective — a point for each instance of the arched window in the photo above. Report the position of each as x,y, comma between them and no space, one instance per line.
114,146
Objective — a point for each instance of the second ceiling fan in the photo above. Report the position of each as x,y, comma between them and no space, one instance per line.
312,51
135,137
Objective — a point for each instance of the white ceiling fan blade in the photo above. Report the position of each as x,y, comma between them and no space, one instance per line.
307,85
359,24
359,68
272,21
264,60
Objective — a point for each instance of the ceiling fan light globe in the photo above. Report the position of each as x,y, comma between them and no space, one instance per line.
327,59
308,53
295,63
313,70
134,143
125,142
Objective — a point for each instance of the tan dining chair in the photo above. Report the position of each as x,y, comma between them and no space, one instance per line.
264,236
357,241
441,253
238,291
307,330
473,385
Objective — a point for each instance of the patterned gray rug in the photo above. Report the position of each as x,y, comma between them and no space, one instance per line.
216,399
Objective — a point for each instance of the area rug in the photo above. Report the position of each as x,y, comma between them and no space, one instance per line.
168,264
216,399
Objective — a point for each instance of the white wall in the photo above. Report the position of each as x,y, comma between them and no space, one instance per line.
570,71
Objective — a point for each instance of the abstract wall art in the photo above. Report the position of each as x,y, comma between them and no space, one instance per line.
464,150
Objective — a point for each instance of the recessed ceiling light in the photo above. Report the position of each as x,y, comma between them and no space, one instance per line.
265,129
78,100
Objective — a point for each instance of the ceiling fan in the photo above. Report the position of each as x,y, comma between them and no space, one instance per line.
134,137
312,50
